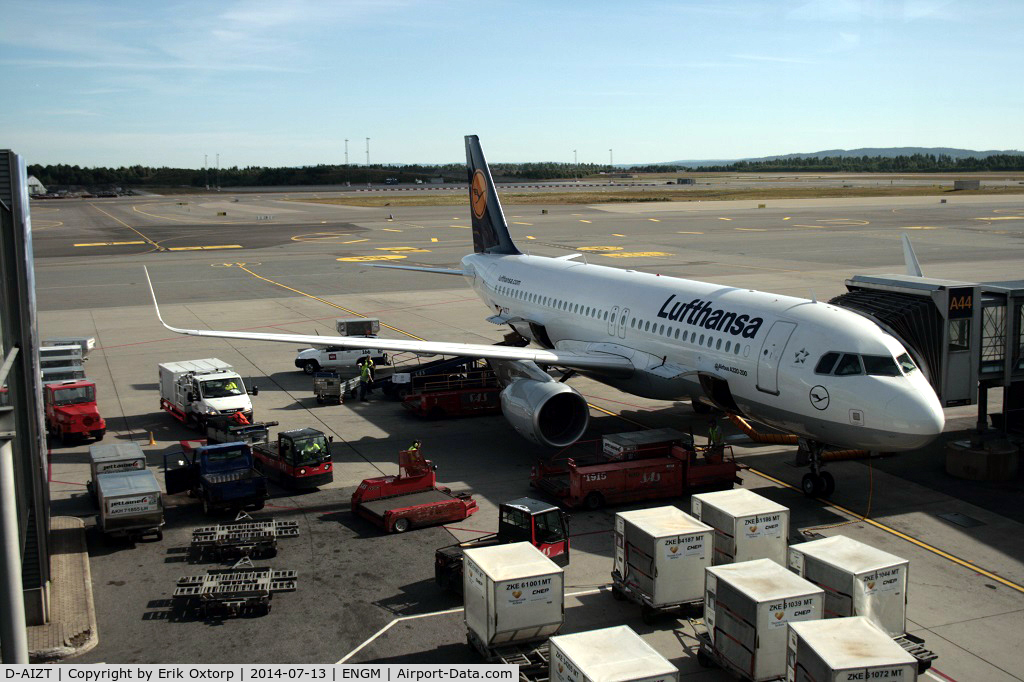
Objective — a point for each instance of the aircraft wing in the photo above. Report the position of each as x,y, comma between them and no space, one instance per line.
592,360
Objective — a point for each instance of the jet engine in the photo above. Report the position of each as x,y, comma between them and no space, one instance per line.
541,409
546,412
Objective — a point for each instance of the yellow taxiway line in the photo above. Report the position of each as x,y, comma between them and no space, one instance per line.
204,248
144,237
109,243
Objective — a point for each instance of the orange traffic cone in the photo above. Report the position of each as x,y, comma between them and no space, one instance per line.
152,441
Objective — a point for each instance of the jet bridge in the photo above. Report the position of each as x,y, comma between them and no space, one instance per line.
967,337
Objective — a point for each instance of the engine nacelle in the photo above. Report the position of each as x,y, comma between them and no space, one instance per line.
548,413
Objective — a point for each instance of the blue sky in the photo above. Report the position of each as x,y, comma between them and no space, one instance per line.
284,83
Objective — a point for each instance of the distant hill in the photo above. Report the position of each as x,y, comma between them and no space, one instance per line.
887,152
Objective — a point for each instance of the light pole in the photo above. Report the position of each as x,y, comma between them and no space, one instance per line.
346,151
206,178
575,165
217,174
367,151
611,162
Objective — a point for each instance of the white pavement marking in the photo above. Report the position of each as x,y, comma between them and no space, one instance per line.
387,627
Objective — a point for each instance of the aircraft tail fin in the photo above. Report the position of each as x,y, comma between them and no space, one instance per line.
490,231
910,258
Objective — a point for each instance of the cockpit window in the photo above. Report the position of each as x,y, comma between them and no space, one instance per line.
827,362
881,366
906,364
849,365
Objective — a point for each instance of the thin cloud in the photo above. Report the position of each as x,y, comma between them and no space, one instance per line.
769,58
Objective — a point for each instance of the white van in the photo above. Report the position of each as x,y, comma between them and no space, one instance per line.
312,360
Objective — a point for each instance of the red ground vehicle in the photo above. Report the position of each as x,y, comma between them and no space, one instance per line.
412,498
300,459
71,410
522,520
659,470
459,394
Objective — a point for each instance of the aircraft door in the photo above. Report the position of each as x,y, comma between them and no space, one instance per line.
622,322
771,355
613,321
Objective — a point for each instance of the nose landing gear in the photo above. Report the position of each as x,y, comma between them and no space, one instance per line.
815,483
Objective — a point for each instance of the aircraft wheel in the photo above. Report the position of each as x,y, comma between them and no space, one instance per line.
828,484
809,484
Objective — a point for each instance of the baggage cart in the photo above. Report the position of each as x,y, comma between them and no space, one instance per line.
243,538
227,430
229,592
328,387
130,504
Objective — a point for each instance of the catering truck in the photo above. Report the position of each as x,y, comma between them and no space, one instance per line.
193,391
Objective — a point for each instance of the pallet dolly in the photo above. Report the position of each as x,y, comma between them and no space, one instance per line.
242,538
649,613
240,590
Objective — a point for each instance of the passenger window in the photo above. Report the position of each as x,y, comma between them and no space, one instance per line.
728,345
880,366
647,326
632,323
677,332
718,344
849,365
827,363
701,342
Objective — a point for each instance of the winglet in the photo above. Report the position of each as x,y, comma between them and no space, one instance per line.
157,306
913,267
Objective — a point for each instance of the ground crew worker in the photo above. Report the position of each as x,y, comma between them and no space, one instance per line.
231,385
364,381
311,450
715,445
240,418
415,447
369,361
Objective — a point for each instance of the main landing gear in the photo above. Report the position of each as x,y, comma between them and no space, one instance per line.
815,483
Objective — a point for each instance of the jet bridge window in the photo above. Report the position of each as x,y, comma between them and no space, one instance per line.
849,365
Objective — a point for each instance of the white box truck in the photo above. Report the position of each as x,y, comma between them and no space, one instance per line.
858,580
747,525
130,504
747,608
513,594
194,390
842,649
660,557
615,654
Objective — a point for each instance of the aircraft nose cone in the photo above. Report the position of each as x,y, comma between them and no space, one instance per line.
917,417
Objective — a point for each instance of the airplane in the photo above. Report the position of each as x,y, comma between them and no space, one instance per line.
824,373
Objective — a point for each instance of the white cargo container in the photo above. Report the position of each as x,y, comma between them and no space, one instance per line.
858,580
112,458
661,554
841,649
747,607
615,654
747,525
130,503
60,356
85,343
513,593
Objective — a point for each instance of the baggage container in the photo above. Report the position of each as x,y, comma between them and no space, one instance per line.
858,580
747,525
60,356
615,654
85,343
513,594
841,649
661,553
747,608
112,458
634,444
130,504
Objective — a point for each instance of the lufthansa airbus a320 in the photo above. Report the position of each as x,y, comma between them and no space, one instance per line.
826,374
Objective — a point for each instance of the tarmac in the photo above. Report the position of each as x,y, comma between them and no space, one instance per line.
364,597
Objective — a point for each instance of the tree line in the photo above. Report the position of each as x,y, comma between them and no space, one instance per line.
63,175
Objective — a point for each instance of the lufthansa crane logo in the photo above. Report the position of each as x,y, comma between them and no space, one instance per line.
478,194
819,397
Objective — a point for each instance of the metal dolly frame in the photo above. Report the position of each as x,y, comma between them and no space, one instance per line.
243,538
650,613
240,590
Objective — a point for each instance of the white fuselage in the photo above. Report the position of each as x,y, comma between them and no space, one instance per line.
758,349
